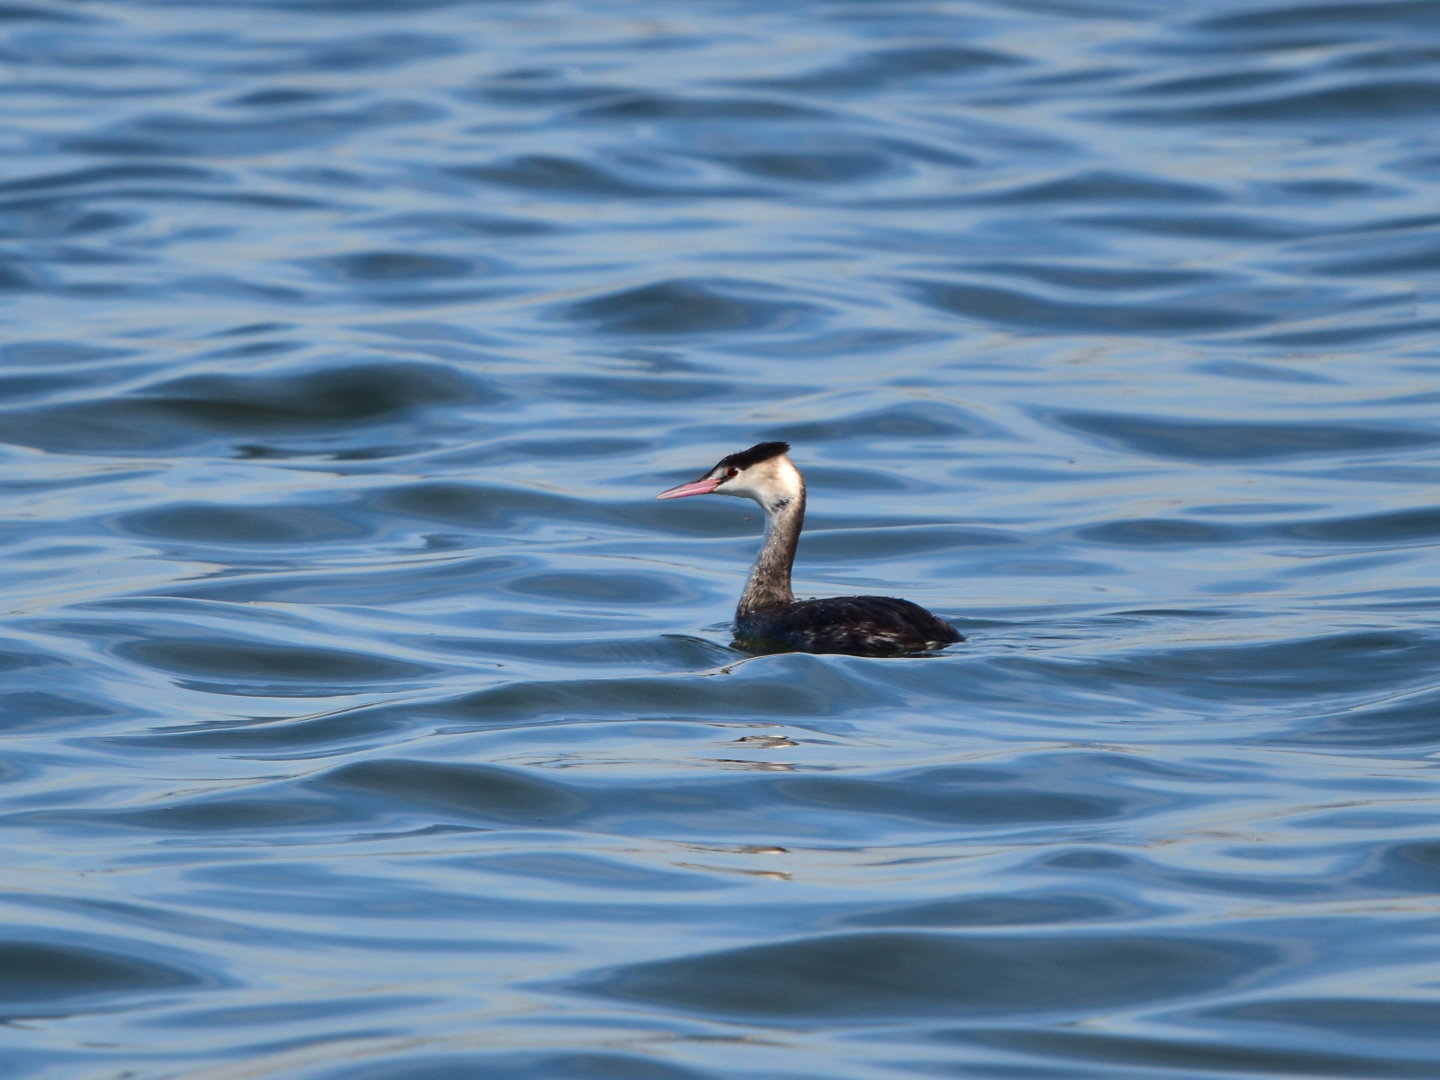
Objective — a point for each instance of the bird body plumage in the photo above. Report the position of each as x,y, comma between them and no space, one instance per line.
859,625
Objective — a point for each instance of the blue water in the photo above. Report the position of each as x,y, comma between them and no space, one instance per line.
363,716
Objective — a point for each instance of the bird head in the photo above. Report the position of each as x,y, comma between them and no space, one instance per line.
764,473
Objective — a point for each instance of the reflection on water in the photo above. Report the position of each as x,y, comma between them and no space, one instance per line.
365,719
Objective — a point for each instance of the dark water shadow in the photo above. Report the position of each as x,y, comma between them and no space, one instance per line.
897,975
48,979
681,307
183,411
1212,440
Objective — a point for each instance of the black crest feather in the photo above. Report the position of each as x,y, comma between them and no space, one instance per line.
759,452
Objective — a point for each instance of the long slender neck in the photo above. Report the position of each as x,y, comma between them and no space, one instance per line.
769,582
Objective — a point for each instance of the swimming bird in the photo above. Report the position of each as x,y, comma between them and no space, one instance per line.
768,612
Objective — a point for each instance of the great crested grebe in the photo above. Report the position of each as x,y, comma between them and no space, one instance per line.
768,610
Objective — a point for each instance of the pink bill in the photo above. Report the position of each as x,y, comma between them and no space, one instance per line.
695,487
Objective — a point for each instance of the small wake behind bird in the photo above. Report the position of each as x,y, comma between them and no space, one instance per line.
768,613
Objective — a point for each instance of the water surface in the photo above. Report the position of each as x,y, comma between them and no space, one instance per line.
365,719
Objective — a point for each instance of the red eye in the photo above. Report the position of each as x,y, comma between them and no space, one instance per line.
732,471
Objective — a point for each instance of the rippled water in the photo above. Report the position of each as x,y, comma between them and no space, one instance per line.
365,718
